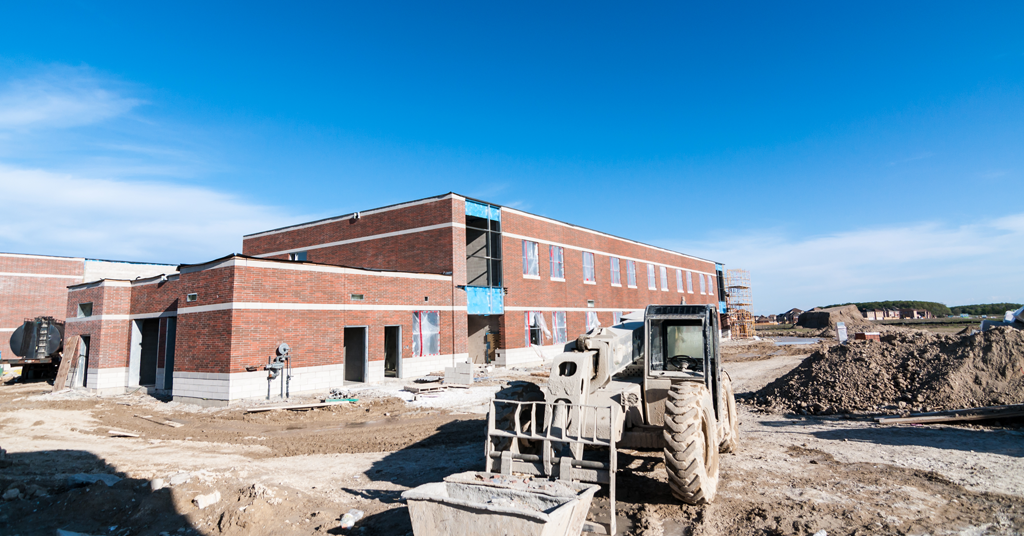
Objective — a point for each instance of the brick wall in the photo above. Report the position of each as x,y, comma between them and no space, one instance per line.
428,251
32,286
108,328
573,293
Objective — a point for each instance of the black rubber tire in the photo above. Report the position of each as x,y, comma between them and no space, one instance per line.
691,437
731,423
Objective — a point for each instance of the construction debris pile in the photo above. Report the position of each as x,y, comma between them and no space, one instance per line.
905,371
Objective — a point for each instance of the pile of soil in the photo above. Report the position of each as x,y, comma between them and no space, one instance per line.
905,371
828,318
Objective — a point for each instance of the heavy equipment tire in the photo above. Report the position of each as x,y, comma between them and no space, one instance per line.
731,423
691,437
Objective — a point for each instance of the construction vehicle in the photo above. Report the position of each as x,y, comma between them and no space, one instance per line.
36,345
652,381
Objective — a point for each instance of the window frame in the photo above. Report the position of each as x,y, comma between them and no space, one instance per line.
560,333
689,281
418,332
298,256
663,272
616,271
596,323
84,310
631,273
703,283
530,330
592,280
560,263
679,280
529,245
652,279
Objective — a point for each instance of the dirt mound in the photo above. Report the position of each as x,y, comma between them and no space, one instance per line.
905,371
828,318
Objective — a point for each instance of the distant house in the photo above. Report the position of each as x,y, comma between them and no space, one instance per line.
790,316
874,314
915,313
762,319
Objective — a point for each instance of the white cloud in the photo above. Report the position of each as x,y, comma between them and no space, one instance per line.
60,214
61,97
956,265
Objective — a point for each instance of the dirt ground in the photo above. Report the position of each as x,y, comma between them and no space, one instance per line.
298,473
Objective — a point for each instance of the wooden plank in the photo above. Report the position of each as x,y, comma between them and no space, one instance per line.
419,389
295,406
164,422
118,433
970,414
65,363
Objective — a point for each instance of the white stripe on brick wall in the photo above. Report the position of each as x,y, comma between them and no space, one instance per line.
97,317
8,329
315,307
366,238
574,309
20,274
302,267
349,216
24,256
643,261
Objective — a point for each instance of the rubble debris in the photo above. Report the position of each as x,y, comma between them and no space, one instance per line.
202,501
905,371
158,420
460,374
349,519
178,479
84,479
968,414
259,409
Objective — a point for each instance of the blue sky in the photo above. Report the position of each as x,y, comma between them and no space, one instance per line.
845,152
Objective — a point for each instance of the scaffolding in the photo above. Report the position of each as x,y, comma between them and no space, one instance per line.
738,302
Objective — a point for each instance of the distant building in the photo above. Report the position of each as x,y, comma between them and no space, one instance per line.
790,316
881,314
915,314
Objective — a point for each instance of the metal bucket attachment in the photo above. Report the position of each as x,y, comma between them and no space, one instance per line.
487,503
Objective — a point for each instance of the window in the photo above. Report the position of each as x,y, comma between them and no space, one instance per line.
711,285
426,333
592,321
631,273
651,282
84,310
618,318
558,318
298,256
189,298
588,267
557,263
616,274
664,277
679,280
531,253
689,281
357,297
536,329
702,283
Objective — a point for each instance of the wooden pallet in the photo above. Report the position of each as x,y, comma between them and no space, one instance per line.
434,388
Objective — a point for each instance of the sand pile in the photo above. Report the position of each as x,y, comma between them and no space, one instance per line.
905,371
828,318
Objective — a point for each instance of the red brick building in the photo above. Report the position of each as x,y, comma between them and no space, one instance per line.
397,291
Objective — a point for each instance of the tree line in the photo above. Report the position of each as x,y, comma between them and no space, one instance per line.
985,308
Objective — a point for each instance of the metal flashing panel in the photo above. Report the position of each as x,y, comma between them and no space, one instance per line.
485,300
482,210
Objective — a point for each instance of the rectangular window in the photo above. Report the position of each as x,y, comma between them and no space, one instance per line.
557,263
84,310
664,277
631,273
426,333
689,281
616,274
536,329
651,282
299,256
588,267
592,321
679,280
558,318
618,317
711,285
531,262
702,283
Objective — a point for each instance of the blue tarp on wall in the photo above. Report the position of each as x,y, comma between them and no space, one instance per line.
483,211
485,300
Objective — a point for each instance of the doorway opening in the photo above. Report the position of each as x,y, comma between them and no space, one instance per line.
81,378
172,331
142,360
392,351
484,337
355,354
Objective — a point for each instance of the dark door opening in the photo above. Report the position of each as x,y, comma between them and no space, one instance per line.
355,354
172,331
392,350
150,347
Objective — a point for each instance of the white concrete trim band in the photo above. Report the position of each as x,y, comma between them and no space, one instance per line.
577,248
98,317
365,238
321,268
102,283
233,306
25,256
22,274
574,309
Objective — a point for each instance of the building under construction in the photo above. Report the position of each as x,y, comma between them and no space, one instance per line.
738,303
